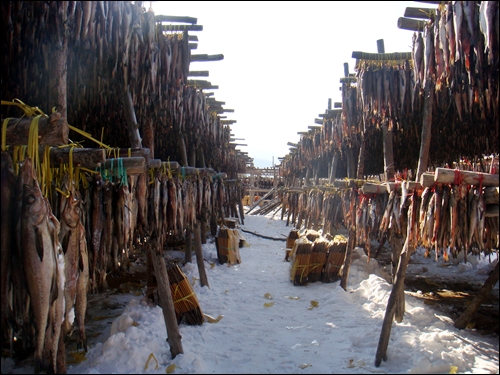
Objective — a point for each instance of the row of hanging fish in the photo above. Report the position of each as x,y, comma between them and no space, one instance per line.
451,218
46,297
114,47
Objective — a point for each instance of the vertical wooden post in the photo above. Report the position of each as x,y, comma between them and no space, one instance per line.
133,127
199,254
333,169
188,254
361,158
59,57
165,297
425,141
347,261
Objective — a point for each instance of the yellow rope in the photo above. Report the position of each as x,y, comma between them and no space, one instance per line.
87,135
4,132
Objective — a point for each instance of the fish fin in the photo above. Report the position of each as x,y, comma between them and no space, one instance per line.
39,243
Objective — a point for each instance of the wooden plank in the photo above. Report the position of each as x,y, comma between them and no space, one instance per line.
193,38
411,24
260,200
491,195
381,56
451,176
205,57
427,179
348,80
181,19
198,73
193,45
318,121
337,105
423,13
133,165
181,27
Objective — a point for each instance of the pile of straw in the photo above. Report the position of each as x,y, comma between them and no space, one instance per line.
187,308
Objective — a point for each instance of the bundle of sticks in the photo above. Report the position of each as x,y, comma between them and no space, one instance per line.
300,261
317,261
187,308
335,258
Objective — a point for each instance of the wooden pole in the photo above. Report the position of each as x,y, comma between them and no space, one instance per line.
411,24
466,316
165,297
347,261
199,254
425,141
188,245
449,176
133,127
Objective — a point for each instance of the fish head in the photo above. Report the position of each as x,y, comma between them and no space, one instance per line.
71,213
34,206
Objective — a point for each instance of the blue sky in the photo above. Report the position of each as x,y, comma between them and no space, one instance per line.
283,60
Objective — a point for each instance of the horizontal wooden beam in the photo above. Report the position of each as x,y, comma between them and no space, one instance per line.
423,13
181,19
381,56
181,27
193,38
228,122
222,110
292,144
193,45
314,127
411,24
318,121
337,105
215,102
198,73
133,165
205,57
348,79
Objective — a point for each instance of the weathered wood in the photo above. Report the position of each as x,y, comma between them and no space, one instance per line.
188,245
133,165
193,38
154,163
425,138
491,195
361,158
337,105
256,204
423,13
348,80
193,45
199,254
372,188
133,127
181,27
427,179
347,261
53,130
410,186
228,122
172,165
381,56
181,19
394,299
205,57
165,297
411,24
214,102
84,157
450,176
466,316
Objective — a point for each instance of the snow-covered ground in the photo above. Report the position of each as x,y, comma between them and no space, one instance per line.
268,325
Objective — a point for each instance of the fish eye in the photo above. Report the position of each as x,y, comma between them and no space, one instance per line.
30,199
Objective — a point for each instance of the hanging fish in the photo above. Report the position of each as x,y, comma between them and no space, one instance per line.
39,261
457,22
96,229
